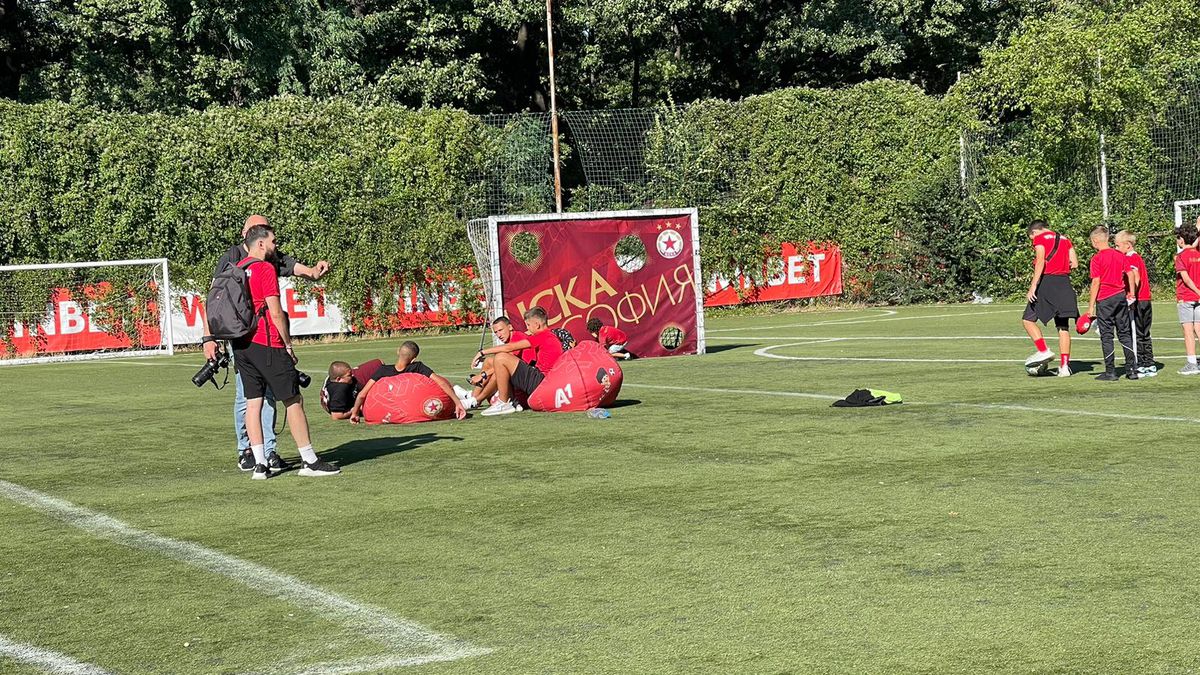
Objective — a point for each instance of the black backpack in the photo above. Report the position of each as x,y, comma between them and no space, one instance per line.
564,337
230,308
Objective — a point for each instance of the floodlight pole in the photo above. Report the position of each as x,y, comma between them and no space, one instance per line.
553,107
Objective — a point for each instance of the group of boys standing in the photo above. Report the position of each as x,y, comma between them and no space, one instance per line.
1119,301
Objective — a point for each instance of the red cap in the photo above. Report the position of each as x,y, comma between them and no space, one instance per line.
1083,324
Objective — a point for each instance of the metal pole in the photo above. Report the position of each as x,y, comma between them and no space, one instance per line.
553,108
962,152
1103,158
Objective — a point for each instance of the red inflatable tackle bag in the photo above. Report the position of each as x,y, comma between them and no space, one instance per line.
584,377
406,398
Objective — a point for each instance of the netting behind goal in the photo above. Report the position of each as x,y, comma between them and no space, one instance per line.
79,311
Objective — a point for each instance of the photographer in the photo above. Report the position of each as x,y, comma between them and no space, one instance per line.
285,265
266,360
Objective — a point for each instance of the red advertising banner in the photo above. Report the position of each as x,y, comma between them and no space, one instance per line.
70,327
813,271
576,276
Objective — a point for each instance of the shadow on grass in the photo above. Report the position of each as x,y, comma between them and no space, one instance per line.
624,403
714,349
368,449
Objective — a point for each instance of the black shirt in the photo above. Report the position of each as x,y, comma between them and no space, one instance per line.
389,370
285,265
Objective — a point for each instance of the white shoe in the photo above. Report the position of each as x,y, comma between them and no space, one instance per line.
1064,371
1190,369
1039,357
501,408
460,392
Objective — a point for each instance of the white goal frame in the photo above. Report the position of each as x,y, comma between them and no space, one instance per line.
1179,210
165,322
491,277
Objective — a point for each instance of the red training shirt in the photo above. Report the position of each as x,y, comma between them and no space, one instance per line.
1136,262
1187,261
1109,266
547,347
526,355
1060,264
611,335
264,283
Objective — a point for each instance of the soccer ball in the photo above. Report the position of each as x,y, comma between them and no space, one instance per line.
1037,369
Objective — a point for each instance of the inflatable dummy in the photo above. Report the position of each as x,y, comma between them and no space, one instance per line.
405,399
584,377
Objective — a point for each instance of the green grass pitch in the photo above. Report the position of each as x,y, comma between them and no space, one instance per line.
725,520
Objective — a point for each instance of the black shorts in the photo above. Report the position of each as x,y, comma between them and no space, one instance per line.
267,367
1055,300
527,378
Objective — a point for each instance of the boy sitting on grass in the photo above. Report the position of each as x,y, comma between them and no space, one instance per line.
406,363
610,337
1110,277
1141,311
1187,295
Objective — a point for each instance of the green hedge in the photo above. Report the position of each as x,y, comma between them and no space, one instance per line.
379,192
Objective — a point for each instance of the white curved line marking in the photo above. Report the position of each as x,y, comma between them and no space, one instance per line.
49,661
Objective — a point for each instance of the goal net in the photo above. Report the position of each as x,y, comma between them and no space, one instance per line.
1186,211
80,311
638,271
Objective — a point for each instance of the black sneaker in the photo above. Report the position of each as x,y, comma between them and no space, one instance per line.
261,472
245,460
1108,376
276,464
1131,373
319,468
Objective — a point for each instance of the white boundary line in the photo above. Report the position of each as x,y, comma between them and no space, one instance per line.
846,322
49,661
405,637
928,404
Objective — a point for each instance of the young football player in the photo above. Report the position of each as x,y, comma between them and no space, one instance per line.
1050,295
1187,295
610,337
1110,274
1141,310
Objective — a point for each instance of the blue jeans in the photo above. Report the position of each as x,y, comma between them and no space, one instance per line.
268,418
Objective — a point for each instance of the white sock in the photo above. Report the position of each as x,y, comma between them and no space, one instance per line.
307,454
1192,360
260,456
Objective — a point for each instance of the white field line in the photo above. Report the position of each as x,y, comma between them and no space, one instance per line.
49,661
408,639
886,312
931,404
911,338
766,352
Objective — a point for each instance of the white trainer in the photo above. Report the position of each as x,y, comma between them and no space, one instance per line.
1190,369
460,392
1064,371
501,408
1039,357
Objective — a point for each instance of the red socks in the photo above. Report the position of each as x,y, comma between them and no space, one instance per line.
1064,359
1040,344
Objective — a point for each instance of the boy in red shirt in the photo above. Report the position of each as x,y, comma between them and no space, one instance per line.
1141,312
484,384
610,337
1110,276
513,372
1187,295
1050,294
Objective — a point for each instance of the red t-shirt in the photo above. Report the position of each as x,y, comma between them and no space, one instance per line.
611,335
1136,262
1060,264
526,355
264,283
1109,266
547,347
1187,261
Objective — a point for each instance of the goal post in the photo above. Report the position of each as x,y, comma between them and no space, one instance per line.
1189,206
638,271
85,310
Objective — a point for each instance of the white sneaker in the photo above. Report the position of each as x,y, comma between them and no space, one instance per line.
460,392
1148,371
1190,369
1039,357
1064,371
501,408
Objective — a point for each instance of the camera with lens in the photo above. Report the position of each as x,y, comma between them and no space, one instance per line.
303,378
208,372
